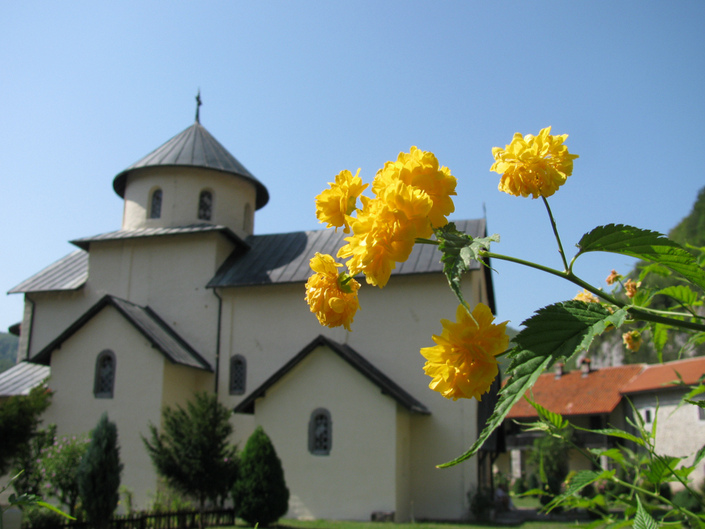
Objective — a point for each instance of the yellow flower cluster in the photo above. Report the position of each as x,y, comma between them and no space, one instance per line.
463,362
533,165
335,204
587,297
332,297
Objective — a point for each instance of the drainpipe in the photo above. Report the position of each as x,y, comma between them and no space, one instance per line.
217,340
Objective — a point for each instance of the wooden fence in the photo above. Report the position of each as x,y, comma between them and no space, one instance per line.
168,520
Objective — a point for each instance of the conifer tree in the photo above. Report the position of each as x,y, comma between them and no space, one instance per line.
99,474
260,493
192,452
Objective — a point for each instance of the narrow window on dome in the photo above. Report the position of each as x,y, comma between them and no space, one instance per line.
104,382
247,219
238,375
155,204
320,432
205,205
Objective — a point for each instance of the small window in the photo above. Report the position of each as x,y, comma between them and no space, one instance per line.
247,219
205,205
238,375
649,415
104,383
155,205
701,411
320,432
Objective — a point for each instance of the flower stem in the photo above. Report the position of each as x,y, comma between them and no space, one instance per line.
555,233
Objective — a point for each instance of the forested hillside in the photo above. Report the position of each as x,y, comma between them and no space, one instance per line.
607,349
8,350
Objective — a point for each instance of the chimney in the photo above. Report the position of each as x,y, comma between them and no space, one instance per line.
585,367
558,370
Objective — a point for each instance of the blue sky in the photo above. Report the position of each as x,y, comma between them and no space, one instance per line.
298,91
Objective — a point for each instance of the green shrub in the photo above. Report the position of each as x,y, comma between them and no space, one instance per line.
260,493
519,486
481,502
35,517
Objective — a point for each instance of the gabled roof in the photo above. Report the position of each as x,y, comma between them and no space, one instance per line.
68,273
284,257
374,375
21,378
574,394
145,321
84,242
194,147
662,376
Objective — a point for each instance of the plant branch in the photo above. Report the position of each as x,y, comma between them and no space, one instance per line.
555,233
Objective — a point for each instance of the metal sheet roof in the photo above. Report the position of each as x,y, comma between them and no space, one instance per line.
355,359
84,242
284,257
21,378
194,147
146,321
68,273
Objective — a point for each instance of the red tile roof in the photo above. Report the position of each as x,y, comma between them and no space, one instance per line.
602,389
658,376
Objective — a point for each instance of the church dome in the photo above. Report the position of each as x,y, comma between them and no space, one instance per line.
194,147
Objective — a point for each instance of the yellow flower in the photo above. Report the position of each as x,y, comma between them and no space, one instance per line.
533,165
420,169
632,340
332,297
463,363
384,235
587,297
335,204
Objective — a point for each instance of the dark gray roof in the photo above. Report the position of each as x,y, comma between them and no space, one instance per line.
68,273
347,353
84,242
284,257
146,321
21,378
194,147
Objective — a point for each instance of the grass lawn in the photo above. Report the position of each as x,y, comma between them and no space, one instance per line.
331,524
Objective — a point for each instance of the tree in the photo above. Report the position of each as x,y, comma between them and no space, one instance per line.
19,419
550,456
28,461
60,463
260,493
99,474
192,452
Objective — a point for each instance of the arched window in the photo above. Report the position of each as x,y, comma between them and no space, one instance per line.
320,432
205,205
238,375
104,383
155,204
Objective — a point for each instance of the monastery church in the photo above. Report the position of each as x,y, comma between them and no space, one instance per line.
184,297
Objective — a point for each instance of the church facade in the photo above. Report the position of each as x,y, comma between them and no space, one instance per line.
184,297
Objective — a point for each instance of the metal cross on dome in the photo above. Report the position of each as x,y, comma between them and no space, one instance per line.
198,106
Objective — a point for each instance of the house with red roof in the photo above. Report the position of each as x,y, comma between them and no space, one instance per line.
598,398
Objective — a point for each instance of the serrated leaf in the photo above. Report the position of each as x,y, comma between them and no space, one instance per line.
642,519
555,419
659,337
459,251
581,480
661,468
556,331
614,432
681,293
643,244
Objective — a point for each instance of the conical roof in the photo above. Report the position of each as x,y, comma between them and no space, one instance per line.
194,147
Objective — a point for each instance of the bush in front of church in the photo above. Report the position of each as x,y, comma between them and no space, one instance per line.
260,494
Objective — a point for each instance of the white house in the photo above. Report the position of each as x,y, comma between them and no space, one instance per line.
185,297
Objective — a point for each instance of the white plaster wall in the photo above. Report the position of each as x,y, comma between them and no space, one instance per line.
137,394
679,431
268,325
181,188
359,475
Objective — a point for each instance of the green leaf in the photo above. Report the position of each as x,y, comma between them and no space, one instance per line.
614,432
555,419
581,480
643,244
459,251
681,293
52,508
556,331
661,468
643,519
659,337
